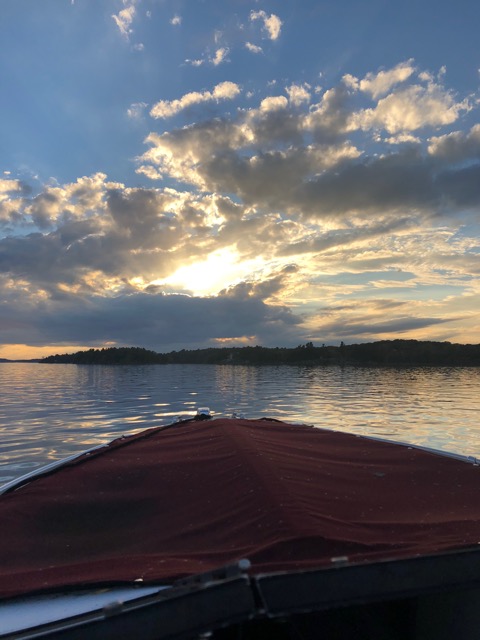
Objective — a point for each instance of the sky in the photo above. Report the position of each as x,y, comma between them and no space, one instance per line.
195,174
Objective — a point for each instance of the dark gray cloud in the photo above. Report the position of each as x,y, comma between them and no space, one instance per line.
461,187
153,321
264,289
280,126
457,147
401,182
329,120
404,182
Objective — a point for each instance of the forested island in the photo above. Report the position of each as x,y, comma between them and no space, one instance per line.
381,353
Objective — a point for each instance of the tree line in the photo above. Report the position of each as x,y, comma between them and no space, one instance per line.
381,353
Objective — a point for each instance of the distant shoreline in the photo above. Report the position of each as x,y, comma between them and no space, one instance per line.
381,353
8,361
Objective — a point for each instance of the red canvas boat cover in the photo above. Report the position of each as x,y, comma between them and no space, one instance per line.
181,500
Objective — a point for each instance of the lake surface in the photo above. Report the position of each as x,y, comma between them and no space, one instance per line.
48,412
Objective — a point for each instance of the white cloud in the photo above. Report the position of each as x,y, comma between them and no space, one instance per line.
298,94
402,138
273,103
220,56
350,81
125,17
272,24
149,172
377,84
406,108
8,185
226,90
137,110
223,91
176,20
253,48
426,76
410,109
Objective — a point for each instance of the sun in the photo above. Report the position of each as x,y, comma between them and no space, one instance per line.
207,277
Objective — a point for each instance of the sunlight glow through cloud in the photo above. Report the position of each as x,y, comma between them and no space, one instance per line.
220,270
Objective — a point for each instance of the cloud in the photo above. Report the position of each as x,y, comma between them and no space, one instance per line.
333,223
398,182
344,237
90,267
292,156
406,108
224,40
137,110
125,17
176,20
149,171
403,138
410,109
271,24
12,193
9,186
457,146
353,329
151,320
222,91
195,63
94,233
378,84
273,103
220,56
298,94
98,236
330,118
246,155
461,188
253,48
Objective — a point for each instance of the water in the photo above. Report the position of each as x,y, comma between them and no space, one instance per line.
48,412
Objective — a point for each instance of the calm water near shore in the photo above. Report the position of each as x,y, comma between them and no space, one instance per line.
50,411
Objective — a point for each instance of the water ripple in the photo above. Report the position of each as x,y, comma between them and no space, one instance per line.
50,411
